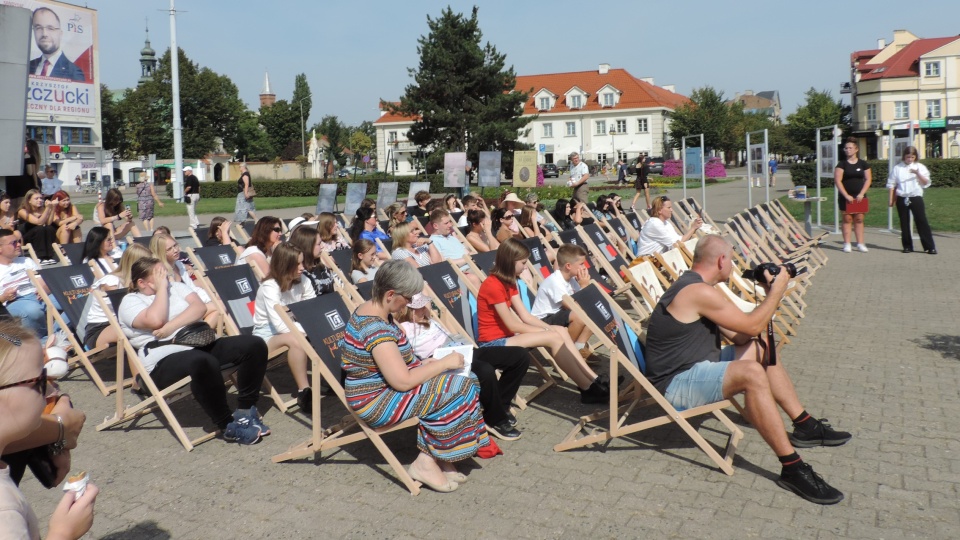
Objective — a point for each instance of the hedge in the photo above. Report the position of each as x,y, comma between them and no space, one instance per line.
308,187
944,172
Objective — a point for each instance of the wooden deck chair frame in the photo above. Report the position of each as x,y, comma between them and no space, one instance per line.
763,241
770,234
622,287
158,399
82,281
29,252
692,207
349,288
64,252
648,281
231,328
640,394
787,238
752,248
777,208
340,434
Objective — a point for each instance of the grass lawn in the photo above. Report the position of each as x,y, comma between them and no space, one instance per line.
223,207
941,205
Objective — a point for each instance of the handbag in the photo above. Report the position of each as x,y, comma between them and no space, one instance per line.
39,459
196,334
252,191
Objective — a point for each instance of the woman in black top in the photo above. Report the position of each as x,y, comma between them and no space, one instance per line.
245,194
852,177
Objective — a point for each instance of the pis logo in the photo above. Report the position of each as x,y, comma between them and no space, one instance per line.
73,25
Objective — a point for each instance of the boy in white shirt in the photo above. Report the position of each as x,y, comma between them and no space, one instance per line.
571,272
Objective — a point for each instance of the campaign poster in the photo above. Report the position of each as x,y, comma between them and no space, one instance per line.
828,158
899,145
490,163
62,78
356,192
454,169
525,169
692,162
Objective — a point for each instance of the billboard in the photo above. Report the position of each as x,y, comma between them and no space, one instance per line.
62,78
454,169
490,163
525,169
828,158
758,159
692,162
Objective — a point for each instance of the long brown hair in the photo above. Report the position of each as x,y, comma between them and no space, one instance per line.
261,233
112,203
25,203
325,224
361,246
508,254
304,238
283,265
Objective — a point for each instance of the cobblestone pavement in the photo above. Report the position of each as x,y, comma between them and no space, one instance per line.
878,353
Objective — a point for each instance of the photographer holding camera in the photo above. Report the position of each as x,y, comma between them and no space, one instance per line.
686,363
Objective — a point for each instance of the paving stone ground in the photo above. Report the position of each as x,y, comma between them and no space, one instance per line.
878,353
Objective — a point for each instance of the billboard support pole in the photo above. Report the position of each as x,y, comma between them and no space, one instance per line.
177,127
835,132
891,161
763,164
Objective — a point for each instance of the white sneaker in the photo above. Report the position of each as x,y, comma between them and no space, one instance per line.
846,248
862,248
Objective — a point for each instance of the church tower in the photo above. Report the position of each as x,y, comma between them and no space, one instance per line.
267,97
148,61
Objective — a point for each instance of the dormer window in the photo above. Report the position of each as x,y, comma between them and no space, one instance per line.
544,104
576,102
608,100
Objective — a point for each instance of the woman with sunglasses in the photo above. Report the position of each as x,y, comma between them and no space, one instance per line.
67,219
23,393
166,249
658,234
503,224
266,235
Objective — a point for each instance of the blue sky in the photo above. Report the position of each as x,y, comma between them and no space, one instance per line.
356,52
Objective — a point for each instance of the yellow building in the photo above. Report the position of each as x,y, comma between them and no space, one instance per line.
908,81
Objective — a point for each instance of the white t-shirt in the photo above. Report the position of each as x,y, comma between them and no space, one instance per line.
242,259
550,294
269,295
16,516
49,186
577,172
424,340
657,237
185,277
15,275
95,314
134,303
356,275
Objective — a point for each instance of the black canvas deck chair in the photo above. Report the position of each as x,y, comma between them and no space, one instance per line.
69,253
212,258
611,260
340,262
323,320
619,334
70,286
625,235
199,235
538,262
573,237
142,240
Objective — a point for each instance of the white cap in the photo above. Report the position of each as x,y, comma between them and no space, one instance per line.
298,221
187,168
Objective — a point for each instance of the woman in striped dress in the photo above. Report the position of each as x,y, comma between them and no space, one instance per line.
386,384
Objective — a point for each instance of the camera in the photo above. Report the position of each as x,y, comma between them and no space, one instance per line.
757,274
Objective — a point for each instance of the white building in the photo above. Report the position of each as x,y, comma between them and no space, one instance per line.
602,114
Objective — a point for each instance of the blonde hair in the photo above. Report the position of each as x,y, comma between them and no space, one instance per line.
10,328
134,253
158,246
399,235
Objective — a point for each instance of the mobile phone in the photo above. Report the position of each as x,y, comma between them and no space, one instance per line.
127,207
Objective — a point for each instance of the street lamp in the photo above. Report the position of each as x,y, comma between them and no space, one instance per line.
613,148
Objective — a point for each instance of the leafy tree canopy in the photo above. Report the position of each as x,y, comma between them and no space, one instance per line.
706,113
819,110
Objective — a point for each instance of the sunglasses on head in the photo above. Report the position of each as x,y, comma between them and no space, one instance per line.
40,383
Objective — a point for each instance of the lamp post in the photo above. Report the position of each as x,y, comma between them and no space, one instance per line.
613,148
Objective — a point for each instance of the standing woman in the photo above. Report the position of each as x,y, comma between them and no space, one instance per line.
111,212
386,384
245,193
146,198
906,183
36,215
852,177
266,235
67,219
18,186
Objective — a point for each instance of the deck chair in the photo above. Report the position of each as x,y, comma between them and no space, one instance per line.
340,262
765,234
142,240
212,258
70,286
625,236
783,241
650,282
694,208
199,234
158,399
573,237
787,227
234,290
611,260
538,263
620,336
776,207
321,338
69,253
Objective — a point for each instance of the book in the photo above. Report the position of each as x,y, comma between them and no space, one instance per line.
465,350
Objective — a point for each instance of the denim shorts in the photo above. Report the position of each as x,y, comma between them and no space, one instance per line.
502,342
701,384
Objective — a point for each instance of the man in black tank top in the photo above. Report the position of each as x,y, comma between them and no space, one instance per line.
685,362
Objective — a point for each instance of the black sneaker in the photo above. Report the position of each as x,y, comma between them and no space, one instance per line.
504,431
511,419
821,435
597,393
305,401
806,483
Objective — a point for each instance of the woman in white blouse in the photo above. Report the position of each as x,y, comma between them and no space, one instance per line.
658,234
906,183
284,286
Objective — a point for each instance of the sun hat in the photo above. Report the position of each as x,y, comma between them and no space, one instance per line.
418,301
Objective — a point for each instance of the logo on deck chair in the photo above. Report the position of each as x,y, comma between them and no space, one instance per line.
603,310
78,281
448,281
224,258
244,286
334,319
536,254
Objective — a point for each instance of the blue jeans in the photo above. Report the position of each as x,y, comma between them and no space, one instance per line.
701,384
31,312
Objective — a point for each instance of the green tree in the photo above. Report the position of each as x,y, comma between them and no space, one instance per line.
282,124
463,94
301,93
113,128
338,137
360,144
253,143
819,110
706,113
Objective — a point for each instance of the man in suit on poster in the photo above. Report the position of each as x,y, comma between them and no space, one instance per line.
52,63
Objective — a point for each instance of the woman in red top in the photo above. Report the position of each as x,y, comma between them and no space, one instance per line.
503,320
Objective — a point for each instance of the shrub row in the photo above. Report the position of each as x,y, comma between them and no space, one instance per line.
308,187
944,172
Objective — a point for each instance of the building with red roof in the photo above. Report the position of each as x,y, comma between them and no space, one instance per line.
603,114
910,81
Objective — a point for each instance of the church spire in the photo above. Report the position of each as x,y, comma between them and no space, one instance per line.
148,59
267,97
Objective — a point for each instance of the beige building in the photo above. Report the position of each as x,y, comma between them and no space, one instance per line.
910,81
766,103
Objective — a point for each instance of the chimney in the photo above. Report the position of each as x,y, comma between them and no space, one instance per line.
881,43
748,92
604,69
669,88
648,80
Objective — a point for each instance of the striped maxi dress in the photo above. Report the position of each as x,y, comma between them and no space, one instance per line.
451,419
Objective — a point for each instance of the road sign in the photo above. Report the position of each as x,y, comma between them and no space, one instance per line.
366,159
543,148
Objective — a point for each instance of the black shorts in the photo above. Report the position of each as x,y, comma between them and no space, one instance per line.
93,332
560,318
641,183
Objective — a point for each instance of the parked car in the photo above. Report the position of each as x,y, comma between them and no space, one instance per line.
550,170
656,165
349,171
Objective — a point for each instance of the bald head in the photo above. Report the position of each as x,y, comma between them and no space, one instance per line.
709,249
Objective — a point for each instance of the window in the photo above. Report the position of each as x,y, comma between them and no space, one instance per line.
621,126
42,134
601,127
931,69
392,136
571,129
75,135
901,109
602,158
623,156
576,102
547,131
544,103
642,126
608,99
933,108
871,112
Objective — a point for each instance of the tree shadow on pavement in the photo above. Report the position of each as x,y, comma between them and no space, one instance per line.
146,529
947,346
